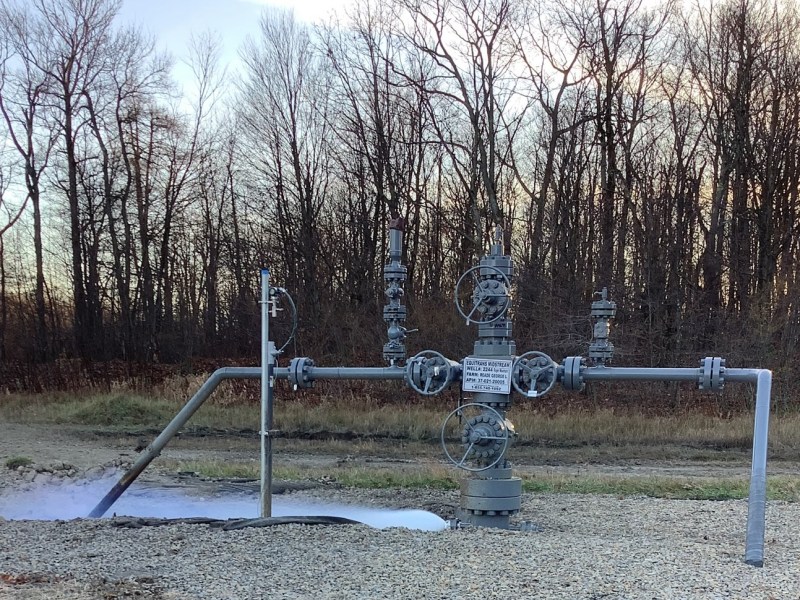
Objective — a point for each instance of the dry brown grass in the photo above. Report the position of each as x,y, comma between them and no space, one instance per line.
348,414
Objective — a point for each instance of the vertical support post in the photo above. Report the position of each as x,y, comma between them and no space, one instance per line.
266,400
757,497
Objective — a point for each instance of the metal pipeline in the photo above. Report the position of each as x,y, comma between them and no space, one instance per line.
368,373
762,378
155,448
754,546
638,374
757,498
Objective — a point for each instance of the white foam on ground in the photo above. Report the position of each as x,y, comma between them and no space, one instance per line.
75,499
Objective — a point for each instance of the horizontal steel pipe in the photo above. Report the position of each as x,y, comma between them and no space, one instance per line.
664,374
371,373
742,375
639,374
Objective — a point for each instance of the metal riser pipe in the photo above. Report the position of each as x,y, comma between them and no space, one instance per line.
762,378
757,498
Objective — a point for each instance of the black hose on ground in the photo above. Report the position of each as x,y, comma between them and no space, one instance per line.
230,524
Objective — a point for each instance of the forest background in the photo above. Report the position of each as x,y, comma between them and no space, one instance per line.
651,149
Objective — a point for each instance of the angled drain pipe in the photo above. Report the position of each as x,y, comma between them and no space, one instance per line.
154,449
157,445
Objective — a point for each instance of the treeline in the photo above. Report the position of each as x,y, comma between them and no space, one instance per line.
652,150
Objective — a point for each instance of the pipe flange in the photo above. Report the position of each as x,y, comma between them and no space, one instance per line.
300,373
712,374
573,378
718,374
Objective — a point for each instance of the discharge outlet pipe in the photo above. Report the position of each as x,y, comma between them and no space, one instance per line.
155,448
762,379
179,421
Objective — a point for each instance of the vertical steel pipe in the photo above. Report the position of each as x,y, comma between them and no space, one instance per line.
757,498
266,402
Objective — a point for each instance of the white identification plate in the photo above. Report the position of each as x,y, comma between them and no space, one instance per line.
487,375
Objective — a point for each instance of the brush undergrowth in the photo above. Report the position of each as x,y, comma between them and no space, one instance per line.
604,433
18,461
353,417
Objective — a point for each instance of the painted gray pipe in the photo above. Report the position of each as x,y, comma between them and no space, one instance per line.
369,373
762,378
757,500
638,374
155,448
267,359
664,374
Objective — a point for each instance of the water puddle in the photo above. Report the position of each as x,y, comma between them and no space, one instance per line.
75,499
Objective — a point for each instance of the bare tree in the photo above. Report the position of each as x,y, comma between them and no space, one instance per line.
284,106
470,44
22,103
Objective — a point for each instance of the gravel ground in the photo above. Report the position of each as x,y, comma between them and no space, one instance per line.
588,547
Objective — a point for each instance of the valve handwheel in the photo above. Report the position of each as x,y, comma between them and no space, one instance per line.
485,436
534,374
429,373
489,295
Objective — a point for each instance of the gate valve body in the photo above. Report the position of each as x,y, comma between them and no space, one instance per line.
601,350
490,299
430,373
534,374
484,438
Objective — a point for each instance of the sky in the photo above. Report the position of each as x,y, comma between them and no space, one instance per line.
173,21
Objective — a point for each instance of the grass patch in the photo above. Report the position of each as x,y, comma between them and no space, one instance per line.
778,488
123,411
216,469
18,461
427,477
119,410
438,477
431,478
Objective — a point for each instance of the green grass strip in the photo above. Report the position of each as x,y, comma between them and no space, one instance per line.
440,478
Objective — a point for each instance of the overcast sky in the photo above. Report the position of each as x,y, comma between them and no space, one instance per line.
173,21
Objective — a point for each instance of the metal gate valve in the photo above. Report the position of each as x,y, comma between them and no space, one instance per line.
489,297
430,373
534,374
601,350
485,436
